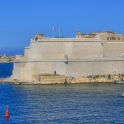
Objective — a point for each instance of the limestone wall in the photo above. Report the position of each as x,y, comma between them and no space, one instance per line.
57,50
27,52
16,71
25,71
52,79
94,68
86,49
113,48
84,57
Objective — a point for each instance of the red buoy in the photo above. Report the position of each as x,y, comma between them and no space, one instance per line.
6,115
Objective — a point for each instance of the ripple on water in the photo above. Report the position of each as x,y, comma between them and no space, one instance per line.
77,103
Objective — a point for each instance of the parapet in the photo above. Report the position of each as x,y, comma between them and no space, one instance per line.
108,36
38,36
80,35
107,31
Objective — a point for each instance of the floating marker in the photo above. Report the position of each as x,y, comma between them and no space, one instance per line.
6,115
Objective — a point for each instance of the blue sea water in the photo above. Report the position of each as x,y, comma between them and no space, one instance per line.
99,103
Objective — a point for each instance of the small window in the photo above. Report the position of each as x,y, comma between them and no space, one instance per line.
113,38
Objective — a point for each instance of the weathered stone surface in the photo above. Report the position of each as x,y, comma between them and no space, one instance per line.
100,53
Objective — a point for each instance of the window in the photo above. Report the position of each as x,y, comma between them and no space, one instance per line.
118,38
113,38
107,38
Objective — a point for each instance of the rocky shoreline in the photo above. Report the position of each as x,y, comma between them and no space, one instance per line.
65,80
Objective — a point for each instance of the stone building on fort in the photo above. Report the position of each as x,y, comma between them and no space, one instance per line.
99,53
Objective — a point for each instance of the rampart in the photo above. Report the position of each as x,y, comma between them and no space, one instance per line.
99,53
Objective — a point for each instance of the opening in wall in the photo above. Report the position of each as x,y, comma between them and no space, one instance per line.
54,72
115,72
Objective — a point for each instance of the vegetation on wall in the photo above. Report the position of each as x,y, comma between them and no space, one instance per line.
47,74
109,76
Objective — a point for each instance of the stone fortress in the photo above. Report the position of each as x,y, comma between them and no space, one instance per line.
99,53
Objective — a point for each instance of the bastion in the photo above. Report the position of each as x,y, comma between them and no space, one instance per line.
99,53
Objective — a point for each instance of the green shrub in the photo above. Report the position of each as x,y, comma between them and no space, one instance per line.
109,76
97,76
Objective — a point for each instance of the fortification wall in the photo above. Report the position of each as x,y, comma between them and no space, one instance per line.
26,71
16,71
86,49
27,52
57,50
94,68
113,48
85,57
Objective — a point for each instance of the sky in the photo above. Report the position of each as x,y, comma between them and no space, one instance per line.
21,19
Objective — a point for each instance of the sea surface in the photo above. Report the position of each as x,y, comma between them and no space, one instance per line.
98,103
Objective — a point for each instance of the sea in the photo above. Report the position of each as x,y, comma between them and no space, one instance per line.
96,103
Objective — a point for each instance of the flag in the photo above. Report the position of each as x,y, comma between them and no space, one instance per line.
54,28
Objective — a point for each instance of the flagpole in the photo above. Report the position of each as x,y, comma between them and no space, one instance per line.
53,32
59,31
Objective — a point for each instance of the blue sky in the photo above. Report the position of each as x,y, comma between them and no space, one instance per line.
21,19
